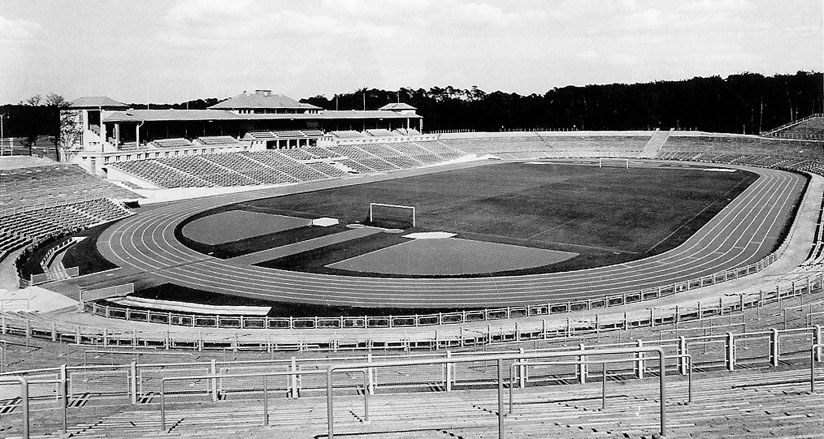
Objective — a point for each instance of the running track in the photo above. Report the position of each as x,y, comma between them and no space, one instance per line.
740,234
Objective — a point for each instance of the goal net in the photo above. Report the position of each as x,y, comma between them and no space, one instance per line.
610,162
391,215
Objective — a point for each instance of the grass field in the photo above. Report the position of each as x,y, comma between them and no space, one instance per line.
606,215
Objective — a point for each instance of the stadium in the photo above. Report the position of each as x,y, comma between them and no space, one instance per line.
268,267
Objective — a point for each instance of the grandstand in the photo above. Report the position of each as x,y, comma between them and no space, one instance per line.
172,143
741,352
28,187
807,128
218,141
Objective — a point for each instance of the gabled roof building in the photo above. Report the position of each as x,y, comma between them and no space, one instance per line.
110,126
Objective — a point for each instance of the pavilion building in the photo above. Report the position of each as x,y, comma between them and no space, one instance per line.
109,130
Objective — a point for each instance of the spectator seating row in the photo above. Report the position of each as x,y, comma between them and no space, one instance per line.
365,158
327,169
217,140
748,145
293,168
172,143
158,174
297,154
286,134
287,165
289,134
10,242
23,227
543,145
207,170
391,155
348,134
36,186
407,132
417,152
441,149
380,132
319,152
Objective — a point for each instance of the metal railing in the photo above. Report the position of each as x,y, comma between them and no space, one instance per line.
416,320
24,399
214,377
499,360
462,337
523,365
136,381
815,356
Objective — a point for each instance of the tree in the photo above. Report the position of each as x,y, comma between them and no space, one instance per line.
34,100
56,100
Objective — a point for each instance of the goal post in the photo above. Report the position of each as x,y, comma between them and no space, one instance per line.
391,214
613,162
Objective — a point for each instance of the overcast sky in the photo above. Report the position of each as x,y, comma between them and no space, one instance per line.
168,51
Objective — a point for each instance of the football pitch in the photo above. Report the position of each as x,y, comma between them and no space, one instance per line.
603,215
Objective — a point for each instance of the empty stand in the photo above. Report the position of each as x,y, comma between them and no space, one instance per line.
43,185
347,134
172,143
218,141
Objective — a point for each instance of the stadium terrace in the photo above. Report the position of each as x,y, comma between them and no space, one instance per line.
262,120
371,280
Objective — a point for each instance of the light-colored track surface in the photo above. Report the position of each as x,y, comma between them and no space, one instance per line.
740,234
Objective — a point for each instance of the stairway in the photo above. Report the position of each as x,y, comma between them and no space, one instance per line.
655,143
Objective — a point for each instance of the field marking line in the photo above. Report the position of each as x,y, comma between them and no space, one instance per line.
465,235
695,216
550,229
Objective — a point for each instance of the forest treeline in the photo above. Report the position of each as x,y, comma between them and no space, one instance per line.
743,103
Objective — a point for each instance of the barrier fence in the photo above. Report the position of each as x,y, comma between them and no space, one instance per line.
53,275
417,320
169,337
216,380
102,293
53,251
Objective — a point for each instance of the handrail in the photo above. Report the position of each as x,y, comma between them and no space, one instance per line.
815,349
675,313
603,373
500,358
24,399
460,317
63,394
265,390
789,124
136,354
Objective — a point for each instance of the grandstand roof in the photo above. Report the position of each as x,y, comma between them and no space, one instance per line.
400,106
262,99
170,115
368,114
206,115
96,102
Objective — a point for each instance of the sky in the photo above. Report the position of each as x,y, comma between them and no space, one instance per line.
172,51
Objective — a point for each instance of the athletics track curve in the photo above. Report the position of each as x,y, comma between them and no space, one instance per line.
742,233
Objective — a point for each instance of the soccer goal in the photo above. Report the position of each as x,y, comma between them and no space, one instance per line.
610,162
391,215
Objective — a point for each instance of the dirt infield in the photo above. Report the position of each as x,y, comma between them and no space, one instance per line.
234,225
450,257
